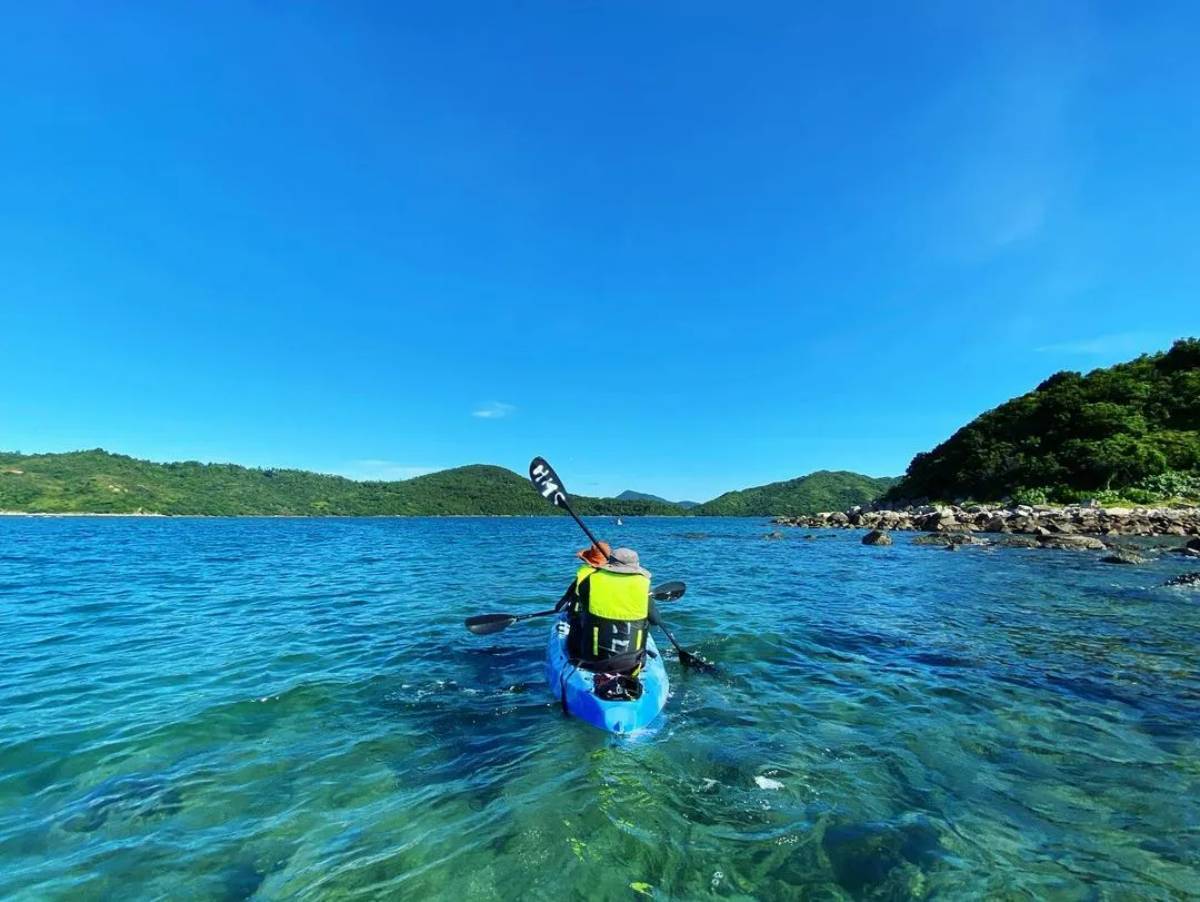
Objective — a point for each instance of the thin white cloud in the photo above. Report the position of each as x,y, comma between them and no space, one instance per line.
1124,343
1007,133
385,470
494,410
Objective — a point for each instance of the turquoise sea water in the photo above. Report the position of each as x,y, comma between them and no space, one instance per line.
270,709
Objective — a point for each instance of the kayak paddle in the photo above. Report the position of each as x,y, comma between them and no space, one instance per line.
550,487
486,624
668,591
686,658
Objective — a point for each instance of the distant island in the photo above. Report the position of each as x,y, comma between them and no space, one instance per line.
101,482
629,495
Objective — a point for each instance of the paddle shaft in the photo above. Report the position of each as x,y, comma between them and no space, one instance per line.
662,626
486,624
535,614
596,542
685,657
550,487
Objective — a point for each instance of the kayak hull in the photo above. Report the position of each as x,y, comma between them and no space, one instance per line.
574,689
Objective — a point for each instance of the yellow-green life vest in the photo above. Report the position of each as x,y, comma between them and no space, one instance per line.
615,596
609,631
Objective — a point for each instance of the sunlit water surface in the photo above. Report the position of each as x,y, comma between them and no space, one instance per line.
233,709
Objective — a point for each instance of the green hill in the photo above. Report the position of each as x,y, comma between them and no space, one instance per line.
100,482
1132,429
823,490
475,489
630,495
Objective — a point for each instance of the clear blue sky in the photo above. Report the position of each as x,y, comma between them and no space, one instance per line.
678,247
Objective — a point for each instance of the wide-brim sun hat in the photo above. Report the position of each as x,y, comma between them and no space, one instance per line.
625,560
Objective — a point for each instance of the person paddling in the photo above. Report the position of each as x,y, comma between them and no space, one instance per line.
609,611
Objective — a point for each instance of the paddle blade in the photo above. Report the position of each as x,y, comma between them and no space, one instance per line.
486,624
546,481
687,659
668,591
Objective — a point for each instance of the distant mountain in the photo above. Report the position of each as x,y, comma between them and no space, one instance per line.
100,482
823,490
1131,429
630,495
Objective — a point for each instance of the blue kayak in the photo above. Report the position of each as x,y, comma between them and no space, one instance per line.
575,689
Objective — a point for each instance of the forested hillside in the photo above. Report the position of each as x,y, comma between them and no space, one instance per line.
823,490
100,482
1132,429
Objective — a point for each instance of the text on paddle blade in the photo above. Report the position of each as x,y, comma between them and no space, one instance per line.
544,480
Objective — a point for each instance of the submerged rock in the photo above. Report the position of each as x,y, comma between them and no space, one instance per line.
876,537
882,860
1186,579
933,538
776,534
949,539
1121,556
1017,542
1072,543
128,797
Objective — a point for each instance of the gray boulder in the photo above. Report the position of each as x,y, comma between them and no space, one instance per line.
934,538
876,537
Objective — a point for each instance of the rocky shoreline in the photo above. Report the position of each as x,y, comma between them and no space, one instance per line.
1043,521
